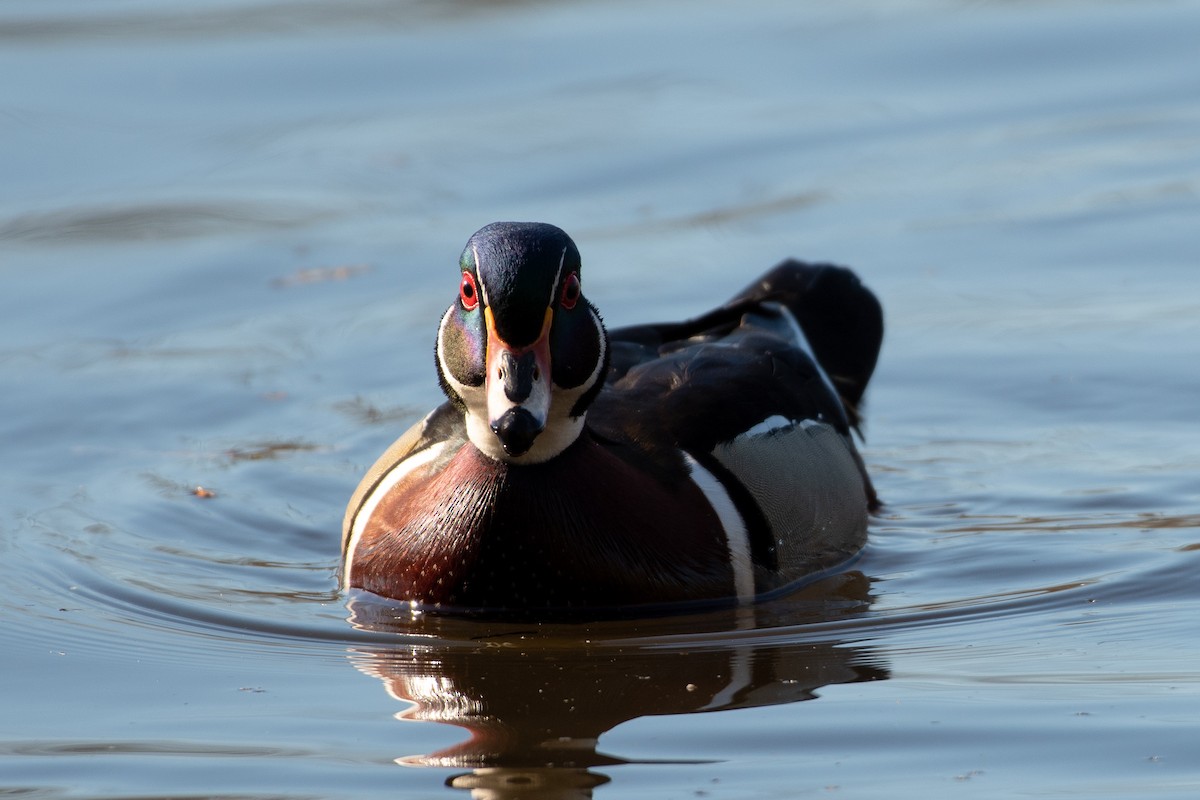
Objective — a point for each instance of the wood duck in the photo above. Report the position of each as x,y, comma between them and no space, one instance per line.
577,468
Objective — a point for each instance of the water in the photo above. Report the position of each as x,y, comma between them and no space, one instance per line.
226,235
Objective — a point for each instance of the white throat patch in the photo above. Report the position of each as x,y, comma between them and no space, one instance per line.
561,429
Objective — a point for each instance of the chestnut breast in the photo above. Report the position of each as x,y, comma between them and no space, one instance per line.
592,527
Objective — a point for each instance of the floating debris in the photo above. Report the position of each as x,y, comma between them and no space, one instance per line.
309,275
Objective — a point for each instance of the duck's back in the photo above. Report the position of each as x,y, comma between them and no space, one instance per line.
749,392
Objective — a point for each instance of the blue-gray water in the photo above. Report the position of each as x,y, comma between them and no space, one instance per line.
227,231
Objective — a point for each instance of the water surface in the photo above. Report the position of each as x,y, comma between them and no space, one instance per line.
226,236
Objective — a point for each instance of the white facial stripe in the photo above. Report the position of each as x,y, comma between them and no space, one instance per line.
482,282
557,277
371,501
734,526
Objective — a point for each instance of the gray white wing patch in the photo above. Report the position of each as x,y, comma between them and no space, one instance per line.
804,479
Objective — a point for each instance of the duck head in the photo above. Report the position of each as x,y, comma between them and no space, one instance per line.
520,350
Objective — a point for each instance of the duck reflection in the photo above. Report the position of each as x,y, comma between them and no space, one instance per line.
536,698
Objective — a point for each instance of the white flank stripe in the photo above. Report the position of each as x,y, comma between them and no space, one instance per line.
734,525
397,474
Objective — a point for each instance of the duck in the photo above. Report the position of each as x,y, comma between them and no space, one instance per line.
663,465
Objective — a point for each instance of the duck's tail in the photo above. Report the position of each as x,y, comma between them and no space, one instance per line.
841,318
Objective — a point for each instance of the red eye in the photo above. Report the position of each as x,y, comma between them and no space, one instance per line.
468,293
570,291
